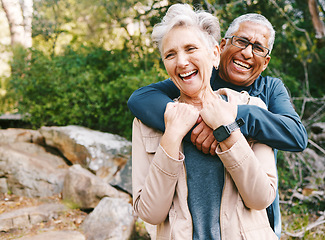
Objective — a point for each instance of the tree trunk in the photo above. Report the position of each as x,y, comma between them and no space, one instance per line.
317,22
28,16
20,21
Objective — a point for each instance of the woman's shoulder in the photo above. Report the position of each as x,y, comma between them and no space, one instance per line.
146,131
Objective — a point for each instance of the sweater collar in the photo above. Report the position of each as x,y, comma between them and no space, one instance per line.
253,90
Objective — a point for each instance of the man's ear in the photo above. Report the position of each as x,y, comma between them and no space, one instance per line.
266,62
223,44
216,56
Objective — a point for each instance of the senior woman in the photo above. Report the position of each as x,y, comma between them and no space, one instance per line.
185,193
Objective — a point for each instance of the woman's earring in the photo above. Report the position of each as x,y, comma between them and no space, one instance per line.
216,68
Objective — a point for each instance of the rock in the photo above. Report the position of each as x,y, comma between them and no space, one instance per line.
38,164
112,219
102,153
123,179
31,170
318,127
55,235
85,189
318,132
27,217
12,135
3,185
316,167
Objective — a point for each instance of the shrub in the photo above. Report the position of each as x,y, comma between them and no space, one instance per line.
88,87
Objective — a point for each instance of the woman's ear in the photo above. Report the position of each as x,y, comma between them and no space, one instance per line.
216,56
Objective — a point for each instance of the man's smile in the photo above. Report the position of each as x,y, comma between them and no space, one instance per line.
242,64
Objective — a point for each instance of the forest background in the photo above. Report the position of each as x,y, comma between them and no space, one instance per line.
77,62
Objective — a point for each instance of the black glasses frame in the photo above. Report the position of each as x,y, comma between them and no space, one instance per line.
254,45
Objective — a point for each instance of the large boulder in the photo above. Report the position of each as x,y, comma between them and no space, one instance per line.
30,170
12,135
85,190
112,219
103,153
123,179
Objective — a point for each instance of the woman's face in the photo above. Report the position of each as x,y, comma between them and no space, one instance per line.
188,60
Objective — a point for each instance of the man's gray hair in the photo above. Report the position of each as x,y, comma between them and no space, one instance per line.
184,15
255,18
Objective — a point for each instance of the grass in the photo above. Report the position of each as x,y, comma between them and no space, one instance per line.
298,211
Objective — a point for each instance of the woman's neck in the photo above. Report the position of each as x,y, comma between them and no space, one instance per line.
197,101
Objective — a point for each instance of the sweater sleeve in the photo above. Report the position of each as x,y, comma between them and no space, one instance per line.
280,126
149,103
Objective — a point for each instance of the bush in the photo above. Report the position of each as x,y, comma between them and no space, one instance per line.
88,87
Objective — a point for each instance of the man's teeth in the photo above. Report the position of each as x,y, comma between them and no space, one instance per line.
245,65
183,75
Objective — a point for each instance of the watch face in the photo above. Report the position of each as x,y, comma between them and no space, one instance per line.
221,133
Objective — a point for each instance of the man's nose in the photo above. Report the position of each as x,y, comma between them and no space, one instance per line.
248,51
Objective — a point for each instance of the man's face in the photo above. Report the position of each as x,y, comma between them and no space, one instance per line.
241,66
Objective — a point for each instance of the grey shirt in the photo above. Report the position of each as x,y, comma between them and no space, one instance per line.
205,180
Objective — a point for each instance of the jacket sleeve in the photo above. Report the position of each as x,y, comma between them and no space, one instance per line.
280,127
155,98
154,177
253,171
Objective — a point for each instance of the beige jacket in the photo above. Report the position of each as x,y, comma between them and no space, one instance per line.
160,187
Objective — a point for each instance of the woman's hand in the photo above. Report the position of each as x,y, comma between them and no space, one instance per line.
217,112
179,119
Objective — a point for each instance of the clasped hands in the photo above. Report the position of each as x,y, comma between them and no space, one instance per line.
181,117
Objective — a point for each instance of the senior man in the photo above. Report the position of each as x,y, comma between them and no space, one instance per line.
245,54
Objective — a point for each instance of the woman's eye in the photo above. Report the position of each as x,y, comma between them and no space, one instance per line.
191,49
169,55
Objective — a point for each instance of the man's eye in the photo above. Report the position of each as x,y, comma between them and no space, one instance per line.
258,48
241,42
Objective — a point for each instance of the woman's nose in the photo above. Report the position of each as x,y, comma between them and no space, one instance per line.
182,60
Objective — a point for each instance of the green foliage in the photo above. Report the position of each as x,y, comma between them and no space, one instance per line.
89,87
7,102
298,208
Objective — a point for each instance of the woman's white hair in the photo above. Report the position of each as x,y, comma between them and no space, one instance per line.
184,15
255,18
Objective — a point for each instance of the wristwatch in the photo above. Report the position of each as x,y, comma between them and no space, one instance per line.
223,132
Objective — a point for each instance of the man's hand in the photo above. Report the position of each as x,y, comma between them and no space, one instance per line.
202,137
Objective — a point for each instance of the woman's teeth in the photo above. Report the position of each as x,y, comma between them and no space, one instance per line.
184,75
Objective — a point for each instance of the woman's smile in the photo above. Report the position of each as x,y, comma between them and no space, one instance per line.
188,60
188,75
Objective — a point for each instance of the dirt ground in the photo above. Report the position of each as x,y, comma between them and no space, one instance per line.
69,220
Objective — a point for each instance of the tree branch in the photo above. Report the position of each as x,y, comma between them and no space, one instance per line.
301,234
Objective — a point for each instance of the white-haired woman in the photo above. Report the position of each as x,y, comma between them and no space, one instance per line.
185,193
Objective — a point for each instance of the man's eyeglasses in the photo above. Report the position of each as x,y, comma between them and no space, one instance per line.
243,43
